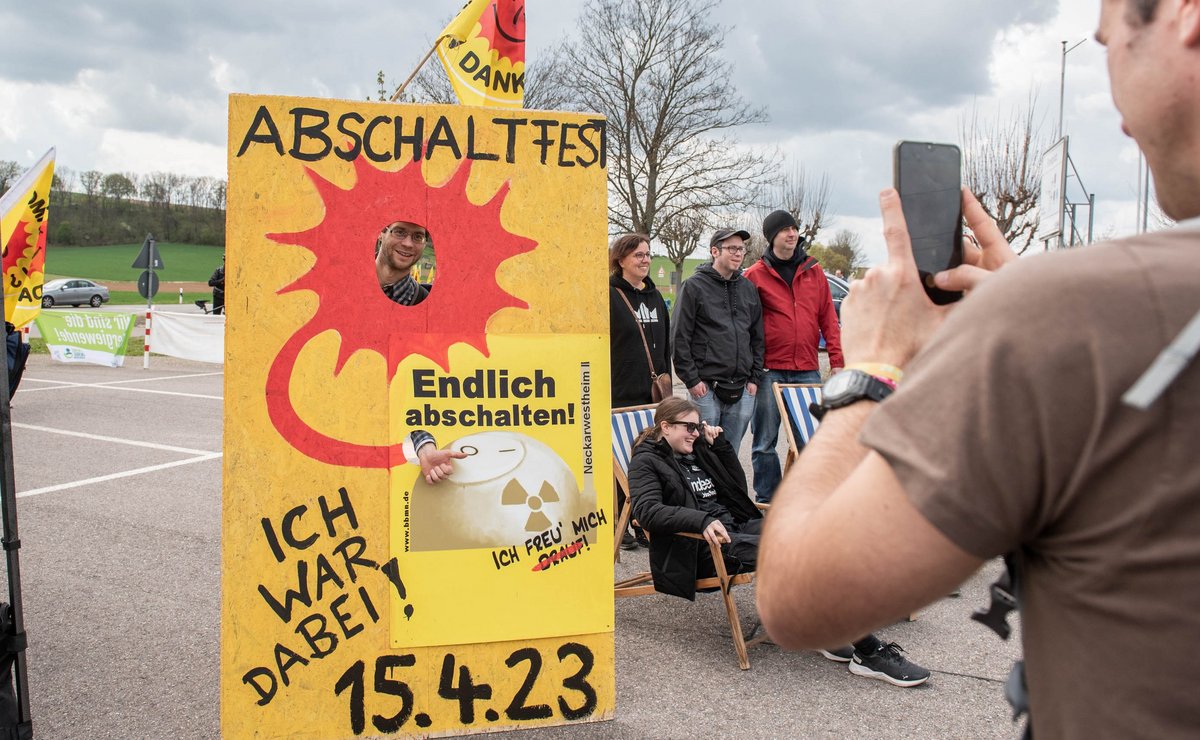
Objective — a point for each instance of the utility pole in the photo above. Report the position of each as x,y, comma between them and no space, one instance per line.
1062,82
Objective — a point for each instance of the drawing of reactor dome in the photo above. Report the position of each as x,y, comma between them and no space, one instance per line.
509,488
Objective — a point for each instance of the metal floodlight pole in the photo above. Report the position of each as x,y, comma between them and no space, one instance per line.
1062,82
1146,198
1091,215
1137,218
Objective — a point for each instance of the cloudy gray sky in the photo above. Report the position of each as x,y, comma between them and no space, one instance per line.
135,85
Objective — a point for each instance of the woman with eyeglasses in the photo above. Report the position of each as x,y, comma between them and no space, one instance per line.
684,476
636,309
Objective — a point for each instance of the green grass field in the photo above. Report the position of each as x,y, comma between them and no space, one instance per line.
182,262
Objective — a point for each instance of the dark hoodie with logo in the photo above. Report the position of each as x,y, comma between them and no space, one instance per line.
630,370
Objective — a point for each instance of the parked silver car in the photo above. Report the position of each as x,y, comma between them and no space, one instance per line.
73,292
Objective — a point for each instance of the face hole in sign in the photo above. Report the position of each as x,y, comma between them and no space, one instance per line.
405,250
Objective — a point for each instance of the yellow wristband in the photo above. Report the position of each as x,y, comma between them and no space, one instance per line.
879,370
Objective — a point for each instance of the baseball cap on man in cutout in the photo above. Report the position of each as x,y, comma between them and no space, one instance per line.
721,235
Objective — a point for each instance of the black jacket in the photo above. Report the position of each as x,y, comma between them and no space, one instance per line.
718,329
630,372
664,504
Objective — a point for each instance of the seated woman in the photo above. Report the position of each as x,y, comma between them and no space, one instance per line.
684,476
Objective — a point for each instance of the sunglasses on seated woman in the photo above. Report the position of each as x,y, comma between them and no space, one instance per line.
692,427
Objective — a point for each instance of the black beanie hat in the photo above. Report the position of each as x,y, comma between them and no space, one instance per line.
775,223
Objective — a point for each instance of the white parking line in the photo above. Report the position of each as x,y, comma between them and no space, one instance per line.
111,384
118,440
120,382
115,476
113,387
148,390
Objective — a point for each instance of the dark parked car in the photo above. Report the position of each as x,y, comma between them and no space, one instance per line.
73,292
838,288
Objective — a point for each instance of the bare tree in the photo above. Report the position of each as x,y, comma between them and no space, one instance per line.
804,196
9,172
91,180
216,195
659,72
756,245
1002,165
155,189
62,185
680,234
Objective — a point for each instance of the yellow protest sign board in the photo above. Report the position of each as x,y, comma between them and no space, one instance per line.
357,597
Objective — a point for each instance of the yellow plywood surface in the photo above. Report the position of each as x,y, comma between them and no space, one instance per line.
356,598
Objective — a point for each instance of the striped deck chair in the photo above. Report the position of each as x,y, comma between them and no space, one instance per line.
793,400
627,424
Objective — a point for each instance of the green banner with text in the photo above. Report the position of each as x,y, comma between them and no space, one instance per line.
96,337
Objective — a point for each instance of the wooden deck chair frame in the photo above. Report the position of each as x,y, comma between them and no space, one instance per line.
624,422
789,397
793,400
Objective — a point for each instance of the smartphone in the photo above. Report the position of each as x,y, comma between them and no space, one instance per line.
929,180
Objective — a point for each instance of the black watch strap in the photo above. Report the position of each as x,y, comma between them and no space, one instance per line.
849,387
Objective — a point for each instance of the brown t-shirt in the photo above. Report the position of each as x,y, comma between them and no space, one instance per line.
1008,433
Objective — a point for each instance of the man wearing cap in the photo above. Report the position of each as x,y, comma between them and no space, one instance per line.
719,337
397,249
797,309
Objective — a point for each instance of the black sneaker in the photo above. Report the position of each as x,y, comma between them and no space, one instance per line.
639,536
628,542
843,654
889,664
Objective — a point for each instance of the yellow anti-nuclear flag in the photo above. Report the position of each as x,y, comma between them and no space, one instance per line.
483,51
24,214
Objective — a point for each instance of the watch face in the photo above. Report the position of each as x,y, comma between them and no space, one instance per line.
840,383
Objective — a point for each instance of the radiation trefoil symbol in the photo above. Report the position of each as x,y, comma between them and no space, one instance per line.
516,495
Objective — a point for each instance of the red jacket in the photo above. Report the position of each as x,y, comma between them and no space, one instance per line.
795,317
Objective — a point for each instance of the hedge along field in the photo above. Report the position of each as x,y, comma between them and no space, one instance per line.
182,262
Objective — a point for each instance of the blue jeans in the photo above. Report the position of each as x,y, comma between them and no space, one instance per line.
733,419
763,457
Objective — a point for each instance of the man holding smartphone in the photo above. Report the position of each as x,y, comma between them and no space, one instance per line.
797,310
1051,415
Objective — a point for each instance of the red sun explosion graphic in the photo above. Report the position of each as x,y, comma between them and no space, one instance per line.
469,244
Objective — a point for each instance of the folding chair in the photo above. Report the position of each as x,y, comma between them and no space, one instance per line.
627,424
794,400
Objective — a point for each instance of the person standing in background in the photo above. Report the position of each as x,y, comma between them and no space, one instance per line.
797,311
719,337
639,333
217,283
636,310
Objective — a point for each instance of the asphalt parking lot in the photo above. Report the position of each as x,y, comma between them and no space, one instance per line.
118,474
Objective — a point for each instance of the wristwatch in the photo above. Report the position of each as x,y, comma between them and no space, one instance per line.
847,387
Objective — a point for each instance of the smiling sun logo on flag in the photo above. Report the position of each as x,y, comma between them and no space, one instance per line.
351,302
